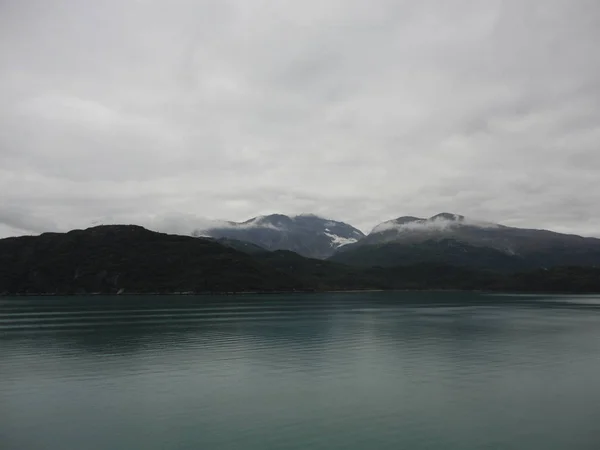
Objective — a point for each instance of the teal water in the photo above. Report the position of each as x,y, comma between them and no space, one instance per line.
327,371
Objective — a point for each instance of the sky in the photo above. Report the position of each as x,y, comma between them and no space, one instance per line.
166,114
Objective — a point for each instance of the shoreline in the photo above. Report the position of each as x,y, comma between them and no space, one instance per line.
188,294
244,293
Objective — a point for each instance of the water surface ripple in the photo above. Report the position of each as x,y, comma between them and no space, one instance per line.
319,371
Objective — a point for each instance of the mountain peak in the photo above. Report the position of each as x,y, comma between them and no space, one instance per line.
310,216
277,220
407,219
306,234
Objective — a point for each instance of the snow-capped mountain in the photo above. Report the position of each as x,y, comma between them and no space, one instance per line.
306,234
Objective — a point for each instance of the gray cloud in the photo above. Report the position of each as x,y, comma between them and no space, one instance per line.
165,114
23,221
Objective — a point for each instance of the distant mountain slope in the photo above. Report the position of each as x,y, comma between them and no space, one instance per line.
444,251
455,239
307,235
242,246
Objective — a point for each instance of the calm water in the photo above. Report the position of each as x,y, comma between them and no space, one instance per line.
335,371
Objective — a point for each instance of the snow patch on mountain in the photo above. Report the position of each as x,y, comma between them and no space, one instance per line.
339,241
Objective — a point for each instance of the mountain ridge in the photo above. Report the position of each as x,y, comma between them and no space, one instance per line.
446,237
116,259
408,239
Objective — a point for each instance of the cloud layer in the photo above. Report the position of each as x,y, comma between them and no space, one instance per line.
432,224
145,111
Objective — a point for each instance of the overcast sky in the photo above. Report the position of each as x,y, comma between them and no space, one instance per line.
165,112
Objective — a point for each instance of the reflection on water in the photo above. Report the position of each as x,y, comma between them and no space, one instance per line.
322,371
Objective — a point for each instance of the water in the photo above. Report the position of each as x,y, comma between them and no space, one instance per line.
331,371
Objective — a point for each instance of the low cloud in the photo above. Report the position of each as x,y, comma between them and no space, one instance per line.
185,224
252,224
432,224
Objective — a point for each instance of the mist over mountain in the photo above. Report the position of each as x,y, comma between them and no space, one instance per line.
306,234
456,239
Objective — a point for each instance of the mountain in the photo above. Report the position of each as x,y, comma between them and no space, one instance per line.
130,259
306,234
454,239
